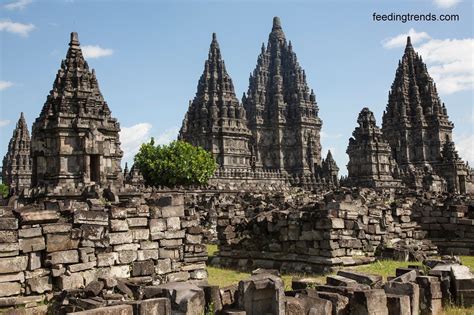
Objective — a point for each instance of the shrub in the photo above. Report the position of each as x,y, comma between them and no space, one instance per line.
178,163
4,190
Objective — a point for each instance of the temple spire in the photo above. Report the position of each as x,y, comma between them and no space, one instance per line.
277,31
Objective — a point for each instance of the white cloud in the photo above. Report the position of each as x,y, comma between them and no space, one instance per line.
131,138
450,61
17,5
4,122
5,85
401,40
465,145
16,28
167,136
325,135
95,51
444,4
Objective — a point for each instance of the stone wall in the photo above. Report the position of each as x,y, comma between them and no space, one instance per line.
311,234
57,245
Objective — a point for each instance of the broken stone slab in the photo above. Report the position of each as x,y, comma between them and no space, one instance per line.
398,304
401,271
212,297
336,280
34,216
157,306
407,277
340,303
316,305
91,217
463,281
430,295
374,281
93,288
185,297
261,294
229,295
368,302
40,284
109,310
410,289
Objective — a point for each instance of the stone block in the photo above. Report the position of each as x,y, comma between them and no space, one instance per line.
147,254
13,264
173,224
398,304
340,303
409,276
193,239
137,222
70,282
143,268
12,277
157,306
82,266
303,283
410,289
157,225
120,238
55,228
127,256
34,261
7,236
368,302
32,244
374,281
177,276
107,259
94,288
185,298
40,284
92,232
118,225
140,234
29,232
91,217
463,281
109,310
336,280
430,295
38,216
10,288
122,271
163,266
172,211
60,242
63,257
262,294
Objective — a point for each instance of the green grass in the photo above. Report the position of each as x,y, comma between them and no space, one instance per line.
385,268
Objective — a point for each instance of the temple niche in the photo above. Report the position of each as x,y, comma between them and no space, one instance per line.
16,169
75,140
417,128
370,162
215,119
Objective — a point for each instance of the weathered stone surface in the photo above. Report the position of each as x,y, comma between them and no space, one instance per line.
186,298
12,277
410,289
373,281
38,216
69,282
369,302
60,242
158,306
463,281
109,310
262,293
13,264
32,244
63,257
93,288
9,288
430,295
398,304
40,284
143,268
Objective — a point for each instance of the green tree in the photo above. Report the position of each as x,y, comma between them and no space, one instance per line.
4,190
178,163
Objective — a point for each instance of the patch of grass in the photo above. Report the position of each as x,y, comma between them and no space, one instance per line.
455,310
211,250
468,261
385,268
224,277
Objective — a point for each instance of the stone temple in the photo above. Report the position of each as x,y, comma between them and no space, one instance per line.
417,129
275,133
16,170
215,119
75,140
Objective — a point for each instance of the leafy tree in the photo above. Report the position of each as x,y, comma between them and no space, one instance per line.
178,163
4,190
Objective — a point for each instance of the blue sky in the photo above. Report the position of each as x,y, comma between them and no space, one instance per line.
148,57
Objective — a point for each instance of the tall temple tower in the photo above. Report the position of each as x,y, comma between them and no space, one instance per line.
215,119
416,124
16,169
75,141
282,110
370,162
